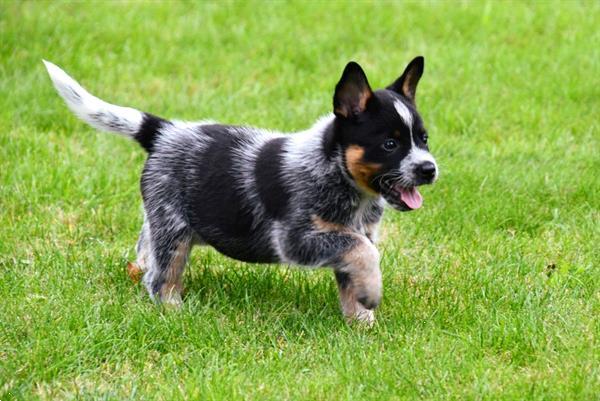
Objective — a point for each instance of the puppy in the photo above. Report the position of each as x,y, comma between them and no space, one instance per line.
312,198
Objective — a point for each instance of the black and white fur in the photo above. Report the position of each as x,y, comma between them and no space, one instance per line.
312,198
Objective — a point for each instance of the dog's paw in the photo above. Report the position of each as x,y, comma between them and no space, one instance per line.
366,317
170,298
362,318
134,272
173,302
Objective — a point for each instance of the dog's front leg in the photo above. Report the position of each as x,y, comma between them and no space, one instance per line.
359,281
355,261
372,232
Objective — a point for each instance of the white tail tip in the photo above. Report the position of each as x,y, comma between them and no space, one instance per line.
98,113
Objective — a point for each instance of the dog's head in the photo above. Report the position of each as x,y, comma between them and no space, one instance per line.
383,140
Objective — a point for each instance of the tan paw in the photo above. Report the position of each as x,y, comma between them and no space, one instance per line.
134,272
362,317
170,297
365,317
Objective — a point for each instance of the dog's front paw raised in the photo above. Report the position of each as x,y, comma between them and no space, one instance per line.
365,317
360,316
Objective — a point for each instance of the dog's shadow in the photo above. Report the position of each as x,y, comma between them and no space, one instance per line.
267,291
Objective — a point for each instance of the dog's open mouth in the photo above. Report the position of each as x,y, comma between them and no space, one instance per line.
403,198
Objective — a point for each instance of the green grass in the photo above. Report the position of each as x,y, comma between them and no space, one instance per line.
511,97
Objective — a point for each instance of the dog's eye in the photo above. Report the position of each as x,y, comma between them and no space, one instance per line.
390,145
424,137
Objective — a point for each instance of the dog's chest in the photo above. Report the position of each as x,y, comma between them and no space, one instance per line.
367,215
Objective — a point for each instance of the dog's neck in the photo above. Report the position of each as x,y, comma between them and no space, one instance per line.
317,153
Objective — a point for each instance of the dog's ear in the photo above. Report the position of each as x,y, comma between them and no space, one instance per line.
352,93
406,85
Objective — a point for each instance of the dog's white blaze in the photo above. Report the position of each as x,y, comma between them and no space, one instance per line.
404,113
98,113
416,155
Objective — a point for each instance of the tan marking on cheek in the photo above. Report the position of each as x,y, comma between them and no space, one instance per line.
326,226
361,171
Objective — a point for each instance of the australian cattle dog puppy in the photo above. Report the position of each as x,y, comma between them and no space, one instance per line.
312,198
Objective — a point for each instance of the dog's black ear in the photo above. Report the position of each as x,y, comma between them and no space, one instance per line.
406,85
352,93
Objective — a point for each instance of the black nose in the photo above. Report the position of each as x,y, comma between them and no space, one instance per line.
426,170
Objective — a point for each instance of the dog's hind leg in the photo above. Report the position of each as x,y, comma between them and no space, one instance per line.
143,247
169,250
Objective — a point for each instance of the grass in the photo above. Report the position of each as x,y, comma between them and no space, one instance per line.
491,290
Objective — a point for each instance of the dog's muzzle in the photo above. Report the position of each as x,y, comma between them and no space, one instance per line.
402,193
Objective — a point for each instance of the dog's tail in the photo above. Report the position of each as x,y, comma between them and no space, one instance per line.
143,127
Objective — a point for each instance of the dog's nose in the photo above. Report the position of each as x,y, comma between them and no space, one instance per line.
426,170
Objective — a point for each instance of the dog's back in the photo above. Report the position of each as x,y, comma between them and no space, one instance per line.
210,171
208,177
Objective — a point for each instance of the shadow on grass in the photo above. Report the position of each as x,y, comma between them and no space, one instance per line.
267,291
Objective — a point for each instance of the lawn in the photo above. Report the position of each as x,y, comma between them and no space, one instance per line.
491,289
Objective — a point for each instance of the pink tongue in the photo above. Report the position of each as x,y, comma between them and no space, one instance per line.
411,197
